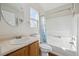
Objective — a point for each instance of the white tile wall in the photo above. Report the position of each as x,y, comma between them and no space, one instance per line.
60,26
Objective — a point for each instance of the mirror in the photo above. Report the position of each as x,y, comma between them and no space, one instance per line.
11,14
9,17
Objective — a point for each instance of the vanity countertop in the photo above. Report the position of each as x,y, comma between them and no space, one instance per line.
6,47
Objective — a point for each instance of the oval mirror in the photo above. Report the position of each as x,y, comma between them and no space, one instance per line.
9,17
10,14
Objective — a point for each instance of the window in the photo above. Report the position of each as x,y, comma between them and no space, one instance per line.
34,17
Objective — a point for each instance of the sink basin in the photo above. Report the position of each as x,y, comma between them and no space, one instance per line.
19,41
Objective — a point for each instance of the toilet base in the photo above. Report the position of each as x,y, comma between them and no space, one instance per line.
44,53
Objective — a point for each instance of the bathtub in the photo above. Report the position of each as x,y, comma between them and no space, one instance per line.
62,46
62,52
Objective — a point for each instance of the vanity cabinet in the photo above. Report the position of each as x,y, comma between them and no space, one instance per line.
34,49
19,52
26,51
30,50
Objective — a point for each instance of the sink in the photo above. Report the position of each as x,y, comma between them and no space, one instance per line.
19,41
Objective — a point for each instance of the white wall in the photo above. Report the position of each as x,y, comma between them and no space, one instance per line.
7,31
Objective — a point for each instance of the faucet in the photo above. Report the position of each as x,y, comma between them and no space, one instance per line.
72,42
18,37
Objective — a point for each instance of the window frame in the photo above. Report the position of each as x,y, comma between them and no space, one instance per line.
34,19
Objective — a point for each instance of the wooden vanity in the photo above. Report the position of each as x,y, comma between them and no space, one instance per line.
29,50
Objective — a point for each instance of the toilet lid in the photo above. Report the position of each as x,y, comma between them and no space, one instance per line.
45,46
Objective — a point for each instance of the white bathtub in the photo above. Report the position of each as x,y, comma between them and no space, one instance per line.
62,46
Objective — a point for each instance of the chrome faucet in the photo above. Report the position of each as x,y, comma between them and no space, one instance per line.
72,42
18,37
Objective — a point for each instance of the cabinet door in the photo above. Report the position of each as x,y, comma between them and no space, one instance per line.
34,49
19,52
26,51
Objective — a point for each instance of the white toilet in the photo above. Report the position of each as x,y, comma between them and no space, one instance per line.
45,48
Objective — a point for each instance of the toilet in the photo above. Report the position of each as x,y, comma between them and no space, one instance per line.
45,48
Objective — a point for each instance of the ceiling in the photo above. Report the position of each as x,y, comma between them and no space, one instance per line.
49,6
